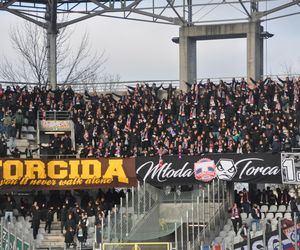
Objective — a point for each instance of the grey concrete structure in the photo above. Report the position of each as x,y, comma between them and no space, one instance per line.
180,12
51,22
189,35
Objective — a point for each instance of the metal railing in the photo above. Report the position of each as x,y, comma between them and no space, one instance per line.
12,237
137,203
200,223
54,115
122,85
205,218
60,156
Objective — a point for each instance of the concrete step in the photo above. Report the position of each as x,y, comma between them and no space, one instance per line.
22,143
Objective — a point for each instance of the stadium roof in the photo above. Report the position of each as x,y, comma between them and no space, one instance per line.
174,12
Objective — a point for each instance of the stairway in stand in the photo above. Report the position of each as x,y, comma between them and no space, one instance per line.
54,240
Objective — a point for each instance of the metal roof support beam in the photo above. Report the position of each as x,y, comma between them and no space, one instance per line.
19,14
52,31
168,19
284,6
176,12
162,11
134,5
245,9
79,19
9,3
103,6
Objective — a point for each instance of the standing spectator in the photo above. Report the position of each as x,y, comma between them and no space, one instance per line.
256,217
285,197
63,217
55,145
69,237
19,119
294,208
245,201
90,209
7,122
70,222
3,147
235,218
80,235
31,115
276,145
66,144
83,223
12,136
98,233
8,208
36,217
49,219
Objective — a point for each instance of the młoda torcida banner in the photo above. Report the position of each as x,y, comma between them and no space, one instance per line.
172,170
66,173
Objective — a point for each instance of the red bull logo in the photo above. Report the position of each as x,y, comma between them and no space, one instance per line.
205,170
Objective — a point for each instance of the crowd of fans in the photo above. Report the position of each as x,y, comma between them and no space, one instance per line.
265,197
151,120
251,203
74,215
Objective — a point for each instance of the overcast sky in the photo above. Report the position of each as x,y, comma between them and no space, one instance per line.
144,51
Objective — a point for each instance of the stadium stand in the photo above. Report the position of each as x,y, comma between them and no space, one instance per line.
234,117
152,120
269,213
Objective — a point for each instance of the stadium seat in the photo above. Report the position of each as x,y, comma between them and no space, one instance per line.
273,209
91,220
244,216
24,129
264,209
274,222
288,215
30,137
25,121
230,234
223,234
227,228
281,208
278,215
21,219
228,243
91,230
206,247
258,233
288,209
269,216
263,215
237,239
31,129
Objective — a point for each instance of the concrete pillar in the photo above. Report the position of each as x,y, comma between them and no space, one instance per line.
255,51
51,42
188,61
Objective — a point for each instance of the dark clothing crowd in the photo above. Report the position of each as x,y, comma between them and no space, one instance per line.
151,120
250,204
265,197
73,216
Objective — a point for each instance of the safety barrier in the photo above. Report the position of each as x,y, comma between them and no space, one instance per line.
137,246
10,240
